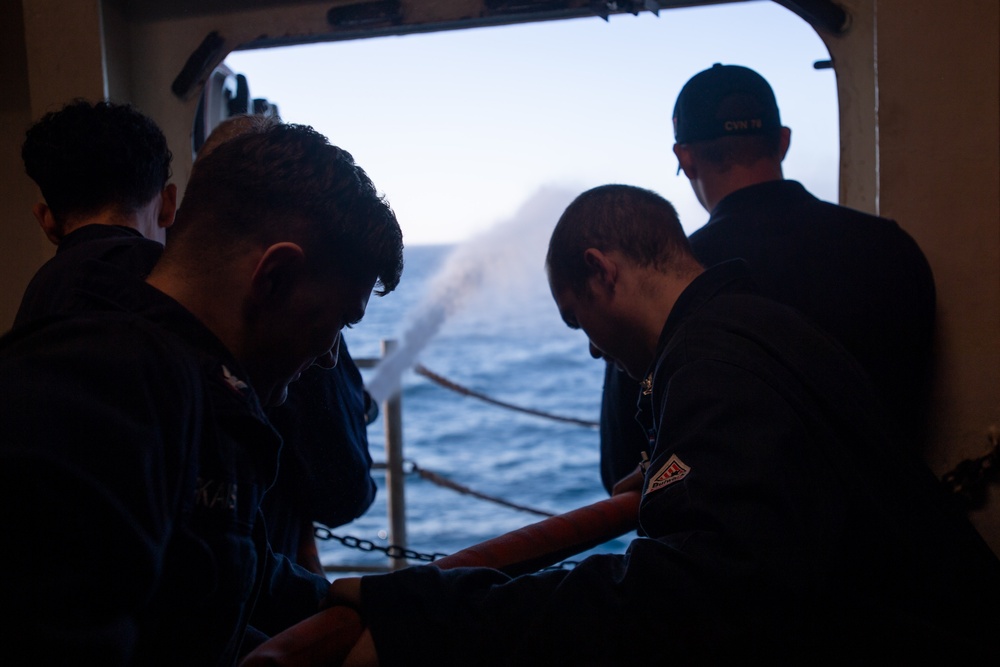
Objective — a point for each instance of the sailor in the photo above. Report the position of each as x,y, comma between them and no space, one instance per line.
861,278
103,170
136,423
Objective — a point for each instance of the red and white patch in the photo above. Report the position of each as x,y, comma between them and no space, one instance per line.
672,471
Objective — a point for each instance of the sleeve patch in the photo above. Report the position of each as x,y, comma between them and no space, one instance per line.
674,470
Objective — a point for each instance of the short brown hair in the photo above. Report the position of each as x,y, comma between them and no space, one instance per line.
637,222
288,182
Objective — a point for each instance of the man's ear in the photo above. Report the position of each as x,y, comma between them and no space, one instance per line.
786,141
602,268
278,271
47,221
685,161
168,206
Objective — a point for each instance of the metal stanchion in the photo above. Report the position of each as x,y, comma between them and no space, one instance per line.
393,423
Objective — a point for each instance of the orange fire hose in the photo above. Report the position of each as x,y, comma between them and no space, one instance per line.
327,637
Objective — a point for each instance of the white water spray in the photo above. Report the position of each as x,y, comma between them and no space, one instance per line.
508,253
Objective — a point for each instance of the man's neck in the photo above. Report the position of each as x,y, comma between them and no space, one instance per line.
717,186
74,224
660,296
144,220
213,297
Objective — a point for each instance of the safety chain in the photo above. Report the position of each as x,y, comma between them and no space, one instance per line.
411,467
396,551
969,479
392,551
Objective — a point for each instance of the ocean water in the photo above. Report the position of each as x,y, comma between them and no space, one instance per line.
480,314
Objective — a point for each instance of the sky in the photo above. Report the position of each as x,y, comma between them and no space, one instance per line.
460,129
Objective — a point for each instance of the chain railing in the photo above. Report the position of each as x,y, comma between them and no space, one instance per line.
397,468
392,551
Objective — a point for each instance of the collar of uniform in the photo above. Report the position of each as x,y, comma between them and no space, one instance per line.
120,290
108,287
96,232
755,197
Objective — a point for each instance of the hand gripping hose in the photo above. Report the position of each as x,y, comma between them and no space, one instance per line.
327,637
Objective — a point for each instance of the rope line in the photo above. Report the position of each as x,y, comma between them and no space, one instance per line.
435,478
410,466
465,391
